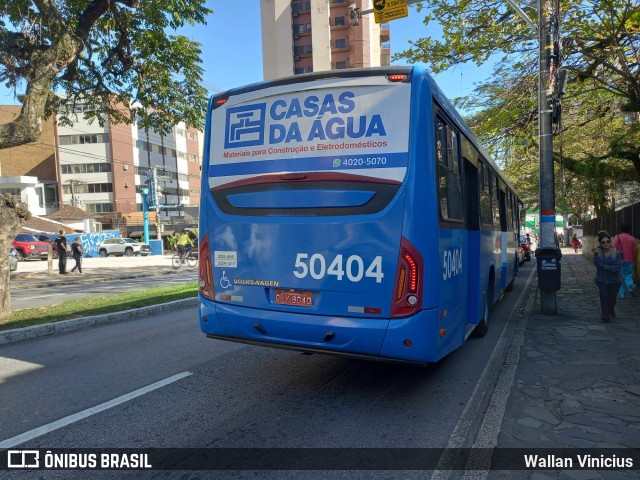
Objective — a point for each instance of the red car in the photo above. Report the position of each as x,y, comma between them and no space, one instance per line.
28,246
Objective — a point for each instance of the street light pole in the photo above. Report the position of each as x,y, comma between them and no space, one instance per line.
145,213
156,202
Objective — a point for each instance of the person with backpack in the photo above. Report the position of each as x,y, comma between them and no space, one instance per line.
626,243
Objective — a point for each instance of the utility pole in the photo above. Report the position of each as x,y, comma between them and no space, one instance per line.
548,256
549,261
75,201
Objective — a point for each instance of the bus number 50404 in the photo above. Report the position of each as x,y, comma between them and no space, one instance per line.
452,263
316,266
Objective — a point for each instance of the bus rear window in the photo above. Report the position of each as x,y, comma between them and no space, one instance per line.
305,194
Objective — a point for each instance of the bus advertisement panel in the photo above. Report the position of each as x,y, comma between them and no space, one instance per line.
340,127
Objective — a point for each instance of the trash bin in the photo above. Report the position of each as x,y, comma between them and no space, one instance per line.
548,259
156,247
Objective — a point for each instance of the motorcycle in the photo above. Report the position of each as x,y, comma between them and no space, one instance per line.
525,248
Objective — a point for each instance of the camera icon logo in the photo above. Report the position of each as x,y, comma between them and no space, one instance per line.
23,459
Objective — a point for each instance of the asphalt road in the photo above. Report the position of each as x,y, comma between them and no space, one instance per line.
39,297
233,395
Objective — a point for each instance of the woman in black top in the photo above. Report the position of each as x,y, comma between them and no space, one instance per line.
76,252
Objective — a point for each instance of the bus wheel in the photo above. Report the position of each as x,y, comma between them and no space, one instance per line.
483,327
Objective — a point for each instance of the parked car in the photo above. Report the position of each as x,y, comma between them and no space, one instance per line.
28,246
123,246
13,259
51,238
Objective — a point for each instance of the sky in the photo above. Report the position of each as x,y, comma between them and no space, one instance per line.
232,51
240,20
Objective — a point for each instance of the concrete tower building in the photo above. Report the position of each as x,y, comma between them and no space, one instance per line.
303,36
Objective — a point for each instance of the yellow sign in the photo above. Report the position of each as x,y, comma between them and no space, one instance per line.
385,10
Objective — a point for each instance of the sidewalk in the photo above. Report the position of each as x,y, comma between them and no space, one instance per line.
577,382
35,273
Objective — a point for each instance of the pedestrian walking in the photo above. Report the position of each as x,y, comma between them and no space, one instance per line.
626,243
61,248
76,252
575,242
608,262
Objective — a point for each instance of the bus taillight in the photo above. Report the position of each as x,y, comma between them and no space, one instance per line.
205,282
218,102
413,273
397,77
407,298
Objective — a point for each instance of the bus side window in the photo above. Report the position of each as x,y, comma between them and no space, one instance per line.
449,186
502,206
486,217
511,224
495,201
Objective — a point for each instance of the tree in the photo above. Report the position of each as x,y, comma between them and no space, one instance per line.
11,214
600,49
123,56
587,166
600,40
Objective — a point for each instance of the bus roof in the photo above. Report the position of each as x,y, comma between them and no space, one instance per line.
368,72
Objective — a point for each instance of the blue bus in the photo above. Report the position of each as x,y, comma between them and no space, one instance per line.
351,212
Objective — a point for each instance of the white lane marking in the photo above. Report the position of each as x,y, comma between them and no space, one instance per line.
63,422
477,466
460,433
29,295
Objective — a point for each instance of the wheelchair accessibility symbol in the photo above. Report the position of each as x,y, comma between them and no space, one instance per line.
224,281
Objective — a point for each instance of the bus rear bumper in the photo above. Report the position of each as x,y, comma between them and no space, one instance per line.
411,339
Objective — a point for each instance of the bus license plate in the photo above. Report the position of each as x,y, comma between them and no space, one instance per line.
294,298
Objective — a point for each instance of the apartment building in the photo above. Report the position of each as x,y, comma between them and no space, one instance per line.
303,36
102,169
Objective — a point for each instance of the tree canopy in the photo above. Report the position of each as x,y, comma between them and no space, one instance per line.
124,56
600,39
598,141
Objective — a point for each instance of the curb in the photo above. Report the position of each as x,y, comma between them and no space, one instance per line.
86,280
19,334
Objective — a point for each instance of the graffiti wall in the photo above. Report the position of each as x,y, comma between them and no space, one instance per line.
90,241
